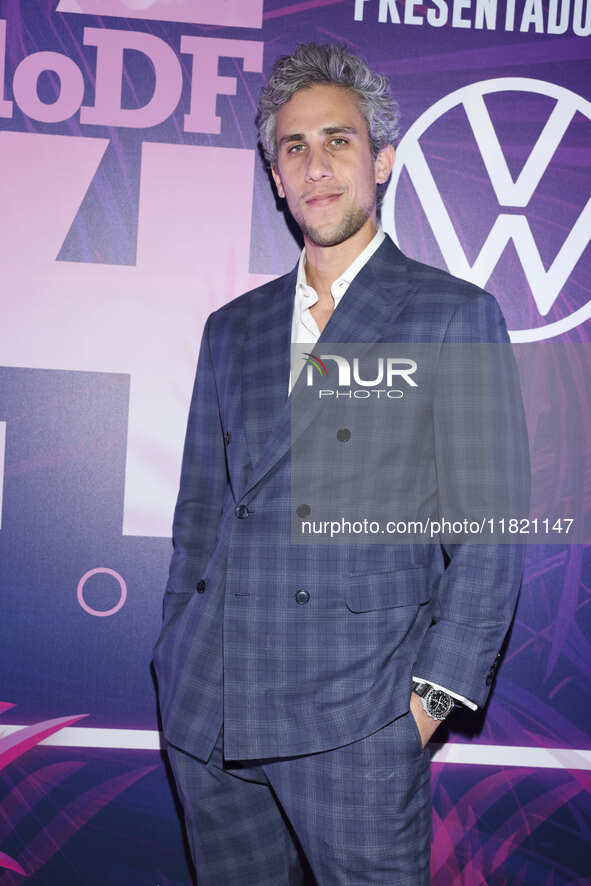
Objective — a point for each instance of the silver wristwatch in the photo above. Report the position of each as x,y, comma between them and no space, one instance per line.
437,704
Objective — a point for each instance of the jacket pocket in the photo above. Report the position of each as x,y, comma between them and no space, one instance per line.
383,590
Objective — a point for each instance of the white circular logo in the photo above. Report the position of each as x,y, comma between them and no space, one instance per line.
506,205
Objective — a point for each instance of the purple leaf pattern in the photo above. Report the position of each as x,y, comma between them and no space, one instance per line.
34,787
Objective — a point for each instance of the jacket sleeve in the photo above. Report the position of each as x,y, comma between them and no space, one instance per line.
482,464
203,479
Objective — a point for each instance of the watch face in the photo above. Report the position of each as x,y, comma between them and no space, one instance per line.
439,704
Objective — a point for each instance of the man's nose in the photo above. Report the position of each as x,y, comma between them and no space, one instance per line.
318,165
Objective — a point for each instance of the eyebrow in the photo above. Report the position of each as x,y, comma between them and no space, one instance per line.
326,130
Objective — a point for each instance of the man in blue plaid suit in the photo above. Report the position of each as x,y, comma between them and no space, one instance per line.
286,669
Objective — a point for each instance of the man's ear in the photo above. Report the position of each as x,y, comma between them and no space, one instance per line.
277,180
384,163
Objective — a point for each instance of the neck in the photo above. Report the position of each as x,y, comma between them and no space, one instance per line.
324,264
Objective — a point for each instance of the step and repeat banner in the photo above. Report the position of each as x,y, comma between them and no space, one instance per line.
133,202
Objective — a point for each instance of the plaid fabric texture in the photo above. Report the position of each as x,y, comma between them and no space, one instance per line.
290,673
360,813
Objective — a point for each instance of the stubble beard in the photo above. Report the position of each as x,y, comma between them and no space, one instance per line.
352,222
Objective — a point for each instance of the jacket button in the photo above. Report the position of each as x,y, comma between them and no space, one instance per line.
302,596
241,512
200,586
303,510
343,435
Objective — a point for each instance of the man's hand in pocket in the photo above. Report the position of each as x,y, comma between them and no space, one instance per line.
425,724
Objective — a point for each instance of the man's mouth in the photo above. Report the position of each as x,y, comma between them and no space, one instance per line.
319,200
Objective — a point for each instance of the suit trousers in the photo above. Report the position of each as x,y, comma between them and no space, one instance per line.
360,813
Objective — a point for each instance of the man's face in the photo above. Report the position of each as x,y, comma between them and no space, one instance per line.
325,168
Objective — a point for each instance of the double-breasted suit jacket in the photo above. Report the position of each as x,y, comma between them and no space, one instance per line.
300,647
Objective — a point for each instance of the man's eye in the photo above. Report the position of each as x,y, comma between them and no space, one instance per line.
295,149
338,141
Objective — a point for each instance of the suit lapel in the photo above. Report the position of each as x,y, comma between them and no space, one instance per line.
366,314
266,364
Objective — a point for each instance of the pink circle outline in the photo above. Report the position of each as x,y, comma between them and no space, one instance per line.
106,571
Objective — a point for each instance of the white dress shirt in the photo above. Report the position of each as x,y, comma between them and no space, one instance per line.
304,330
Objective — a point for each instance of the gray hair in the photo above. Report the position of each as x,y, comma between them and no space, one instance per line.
313,63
